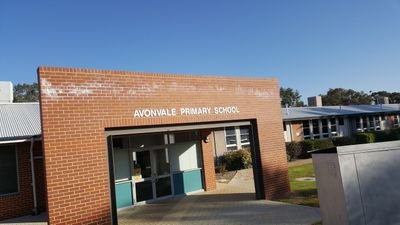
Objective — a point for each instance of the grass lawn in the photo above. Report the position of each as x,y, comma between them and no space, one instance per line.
303,192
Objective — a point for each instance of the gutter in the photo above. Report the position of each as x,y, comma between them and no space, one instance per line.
12,141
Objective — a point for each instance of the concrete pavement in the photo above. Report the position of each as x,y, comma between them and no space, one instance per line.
232,203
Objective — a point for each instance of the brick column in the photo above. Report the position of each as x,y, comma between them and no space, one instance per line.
208,160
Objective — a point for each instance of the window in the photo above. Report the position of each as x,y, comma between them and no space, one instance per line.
237,138
315,124
358,123
333,127
377,122
230,135
306,129
396,121
181,137
341,121
245,137
371,124
364,123
8,170
325,128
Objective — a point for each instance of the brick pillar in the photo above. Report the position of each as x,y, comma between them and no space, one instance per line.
208,160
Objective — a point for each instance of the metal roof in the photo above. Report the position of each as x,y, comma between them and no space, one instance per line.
22,120
298,113
19,121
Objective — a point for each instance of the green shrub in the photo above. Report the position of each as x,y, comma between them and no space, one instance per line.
220,168
342,141
299,150
306,145
237,160
381,136
366,137
323,143
396,133
293,150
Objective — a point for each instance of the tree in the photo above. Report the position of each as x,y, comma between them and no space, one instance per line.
26,93
341,96
394,97
290,98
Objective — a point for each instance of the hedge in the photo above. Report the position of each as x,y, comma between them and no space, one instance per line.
366,137
299,150
377,136
293,150
342,141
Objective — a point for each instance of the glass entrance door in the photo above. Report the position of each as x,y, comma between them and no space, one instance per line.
162,176
151,174
142,176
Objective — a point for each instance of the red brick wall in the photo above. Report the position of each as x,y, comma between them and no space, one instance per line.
77,105
21,203
208,160
297,128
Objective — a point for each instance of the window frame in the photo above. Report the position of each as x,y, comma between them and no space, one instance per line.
325,127
248,133
377,122
230,146
316,135
333,127
308,127
15,148
396,119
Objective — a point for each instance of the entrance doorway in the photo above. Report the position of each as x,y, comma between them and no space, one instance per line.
141,174
149,167
151,174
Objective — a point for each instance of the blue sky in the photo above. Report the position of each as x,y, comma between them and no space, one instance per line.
308,45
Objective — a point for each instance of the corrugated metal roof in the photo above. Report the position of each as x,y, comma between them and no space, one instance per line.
19,120
22,120
299,113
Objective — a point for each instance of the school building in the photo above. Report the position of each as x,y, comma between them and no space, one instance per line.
321,122
107,140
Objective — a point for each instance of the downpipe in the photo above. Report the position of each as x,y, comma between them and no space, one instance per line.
35,209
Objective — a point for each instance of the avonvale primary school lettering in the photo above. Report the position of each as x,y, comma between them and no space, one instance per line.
185,111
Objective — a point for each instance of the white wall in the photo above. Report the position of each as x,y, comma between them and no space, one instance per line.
184,156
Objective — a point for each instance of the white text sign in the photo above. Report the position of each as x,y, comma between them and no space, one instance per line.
166,112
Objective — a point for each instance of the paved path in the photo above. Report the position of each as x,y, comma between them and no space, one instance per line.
40,219
231,203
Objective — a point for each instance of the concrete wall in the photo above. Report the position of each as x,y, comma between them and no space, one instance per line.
220,142
184,156
369,179
77,105
6,92
329,184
